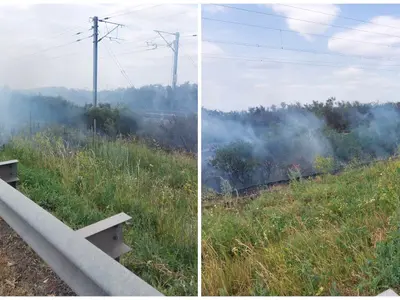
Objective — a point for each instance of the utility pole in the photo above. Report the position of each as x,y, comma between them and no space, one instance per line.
96,41
95,50
175,72
30,119
175,48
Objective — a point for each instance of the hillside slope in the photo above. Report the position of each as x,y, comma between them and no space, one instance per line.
158,190
334,235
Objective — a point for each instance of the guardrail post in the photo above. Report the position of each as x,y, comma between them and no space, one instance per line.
107,235
388,293
8,172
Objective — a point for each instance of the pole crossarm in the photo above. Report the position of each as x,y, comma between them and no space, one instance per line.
168,43
117,25
175,48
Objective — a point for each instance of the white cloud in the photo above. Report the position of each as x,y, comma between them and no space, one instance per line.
213,9
298,86
262,85
230,85
330,12
209,48
373,44
324,86
349,72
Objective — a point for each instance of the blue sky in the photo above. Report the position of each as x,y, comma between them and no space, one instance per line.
363,65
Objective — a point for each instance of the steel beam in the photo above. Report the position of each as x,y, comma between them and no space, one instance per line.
107,235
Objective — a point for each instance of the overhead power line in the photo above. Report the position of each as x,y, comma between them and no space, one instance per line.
302,20
115,59
83,30
117,54
144,50
119,12
63,32
130,12
283,48
189,58
53,47
153,38
293,31
65,55
145,8
307,63
339,16
82,39
135,50
172,15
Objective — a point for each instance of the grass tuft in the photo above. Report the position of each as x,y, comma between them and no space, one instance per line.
334,235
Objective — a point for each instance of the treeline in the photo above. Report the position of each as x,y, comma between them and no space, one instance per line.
340,116
170,131
146,98
263,145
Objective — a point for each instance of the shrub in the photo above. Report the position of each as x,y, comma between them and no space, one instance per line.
324,164
236,160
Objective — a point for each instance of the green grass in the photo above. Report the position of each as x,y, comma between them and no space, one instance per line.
334,235
158,190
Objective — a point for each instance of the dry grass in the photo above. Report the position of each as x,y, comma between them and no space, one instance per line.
336,235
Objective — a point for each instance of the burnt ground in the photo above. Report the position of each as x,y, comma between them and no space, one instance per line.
23,272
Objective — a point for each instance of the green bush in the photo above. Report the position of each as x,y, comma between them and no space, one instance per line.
324,164
236,160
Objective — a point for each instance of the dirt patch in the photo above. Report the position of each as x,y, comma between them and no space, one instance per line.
23,272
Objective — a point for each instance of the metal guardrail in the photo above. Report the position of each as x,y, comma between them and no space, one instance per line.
83,259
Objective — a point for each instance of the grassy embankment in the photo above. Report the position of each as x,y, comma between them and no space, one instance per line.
158,190
334,235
